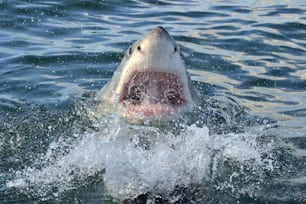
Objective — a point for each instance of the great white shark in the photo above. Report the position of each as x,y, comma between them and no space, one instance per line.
151,81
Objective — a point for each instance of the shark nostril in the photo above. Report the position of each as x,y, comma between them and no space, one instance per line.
175,48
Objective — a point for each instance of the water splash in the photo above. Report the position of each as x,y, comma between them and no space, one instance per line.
132,160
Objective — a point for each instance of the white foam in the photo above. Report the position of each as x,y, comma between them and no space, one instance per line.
137,159
170,161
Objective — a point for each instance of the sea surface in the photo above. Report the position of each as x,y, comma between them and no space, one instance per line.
248,145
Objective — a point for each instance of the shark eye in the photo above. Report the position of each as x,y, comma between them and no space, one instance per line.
175,48
138,48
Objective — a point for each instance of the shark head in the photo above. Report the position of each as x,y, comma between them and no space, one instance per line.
152,80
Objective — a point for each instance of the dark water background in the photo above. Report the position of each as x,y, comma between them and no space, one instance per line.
55,55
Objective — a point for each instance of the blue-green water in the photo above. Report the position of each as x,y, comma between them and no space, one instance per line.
247,56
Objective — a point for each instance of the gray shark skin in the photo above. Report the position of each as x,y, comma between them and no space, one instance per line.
151,83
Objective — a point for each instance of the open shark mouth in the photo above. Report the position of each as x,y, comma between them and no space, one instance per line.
153,93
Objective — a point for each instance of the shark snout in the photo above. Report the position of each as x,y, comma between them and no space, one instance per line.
161,32
160,29
157,45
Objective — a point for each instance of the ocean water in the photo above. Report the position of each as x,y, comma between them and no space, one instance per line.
246,145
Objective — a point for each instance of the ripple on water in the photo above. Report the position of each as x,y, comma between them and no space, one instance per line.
52,52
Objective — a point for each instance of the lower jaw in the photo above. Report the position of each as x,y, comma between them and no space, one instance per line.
151,112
